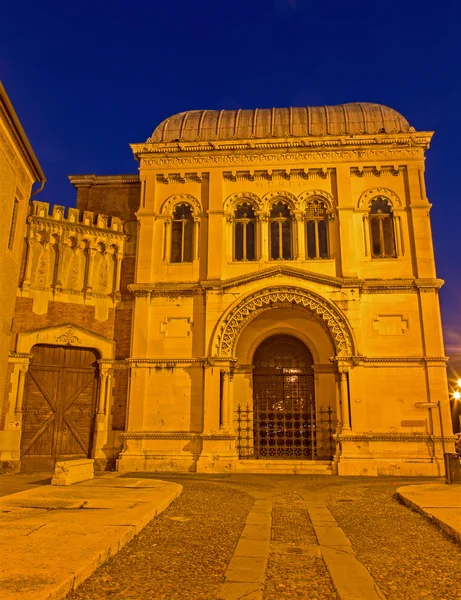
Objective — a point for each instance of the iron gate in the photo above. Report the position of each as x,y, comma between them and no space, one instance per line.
319,443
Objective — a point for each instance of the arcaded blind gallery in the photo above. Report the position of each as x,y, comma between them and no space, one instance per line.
260,297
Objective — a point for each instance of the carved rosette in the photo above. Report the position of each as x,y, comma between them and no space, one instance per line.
263,300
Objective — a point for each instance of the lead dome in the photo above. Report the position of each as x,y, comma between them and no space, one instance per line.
343,119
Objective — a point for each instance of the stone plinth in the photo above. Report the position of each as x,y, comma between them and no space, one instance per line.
67,472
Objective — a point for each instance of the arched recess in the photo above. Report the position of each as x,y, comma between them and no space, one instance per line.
66,335
367,197
169,204
234,199
269,198
248,308
305,197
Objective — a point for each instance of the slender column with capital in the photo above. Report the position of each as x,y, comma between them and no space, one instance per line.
102,392
20,393
118,272
366,233
61,249
344,401
225,400
263,236
29,260
230,407
300,235
89,272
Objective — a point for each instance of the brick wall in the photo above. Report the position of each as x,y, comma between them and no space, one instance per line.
116,200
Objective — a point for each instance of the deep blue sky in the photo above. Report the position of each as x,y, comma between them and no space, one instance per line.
87,78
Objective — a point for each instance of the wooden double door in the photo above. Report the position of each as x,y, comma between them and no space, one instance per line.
59,406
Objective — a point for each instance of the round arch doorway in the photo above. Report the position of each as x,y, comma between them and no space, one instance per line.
283,399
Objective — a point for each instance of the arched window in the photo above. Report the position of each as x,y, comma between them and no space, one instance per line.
280,227
182,234
317,229
382,229
244,232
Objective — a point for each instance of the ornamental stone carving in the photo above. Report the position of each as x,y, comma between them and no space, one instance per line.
263,300
68,337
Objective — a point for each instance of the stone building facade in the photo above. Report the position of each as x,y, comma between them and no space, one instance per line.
19,171
262,297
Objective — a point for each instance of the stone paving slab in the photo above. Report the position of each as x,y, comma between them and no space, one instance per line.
53,538
351,579
439,502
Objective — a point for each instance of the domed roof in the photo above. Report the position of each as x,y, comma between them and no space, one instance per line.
343,119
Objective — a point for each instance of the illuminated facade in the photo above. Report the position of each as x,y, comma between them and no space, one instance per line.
263,298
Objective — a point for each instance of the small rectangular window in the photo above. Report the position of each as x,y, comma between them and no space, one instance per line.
14,219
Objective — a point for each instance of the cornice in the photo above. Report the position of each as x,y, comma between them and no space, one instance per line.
412,139
280,270
364,286
87,180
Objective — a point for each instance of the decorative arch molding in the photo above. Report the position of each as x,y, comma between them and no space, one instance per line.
234,199
305,197
172,201
66,335
248,308
366,198
268,199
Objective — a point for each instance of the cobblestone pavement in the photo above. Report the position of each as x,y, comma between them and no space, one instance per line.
183,553
295,568
408,557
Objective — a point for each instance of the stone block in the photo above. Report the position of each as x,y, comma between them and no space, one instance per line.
67,472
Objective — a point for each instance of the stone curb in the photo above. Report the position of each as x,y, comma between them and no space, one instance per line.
116,542
450,531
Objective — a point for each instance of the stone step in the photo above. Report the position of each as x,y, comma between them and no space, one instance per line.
288,467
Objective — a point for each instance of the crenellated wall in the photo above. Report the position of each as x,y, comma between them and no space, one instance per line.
74,256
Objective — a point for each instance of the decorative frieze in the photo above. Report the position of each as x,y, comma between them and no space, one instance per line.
278,174
147,159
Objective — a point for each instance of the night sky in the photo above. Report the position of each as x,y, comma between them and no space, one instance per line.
88,78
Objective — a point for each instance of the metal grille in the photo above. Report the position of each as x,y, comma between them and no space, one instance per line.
283,422
320,445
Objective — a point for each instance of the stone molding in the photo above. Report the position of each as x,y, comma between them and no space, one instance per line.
152,435
390,437
246,309
66,334
145,290
88,180
403,360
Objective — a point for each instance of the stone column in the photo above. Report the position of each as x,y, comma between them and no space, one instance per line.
225,400
211,400
31,242
300,234
196,239
263,236
344,392
102,392
61,250
89,273
118,274
366,233
20,391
